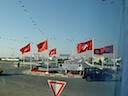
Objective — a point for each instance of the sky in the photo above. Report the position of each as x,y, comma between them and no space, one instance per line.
65,23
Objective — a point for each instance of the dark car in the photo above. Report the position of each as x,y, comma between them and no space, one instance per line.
96,74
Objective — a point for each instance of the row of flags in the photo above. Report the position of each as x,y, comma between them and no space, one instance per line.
85,46
41,47
81,47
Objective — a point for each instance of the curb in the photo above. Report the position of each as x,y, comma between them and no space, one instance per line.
51,75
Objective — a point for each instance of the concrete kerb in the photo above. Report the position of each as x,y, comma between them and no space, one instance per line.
50,74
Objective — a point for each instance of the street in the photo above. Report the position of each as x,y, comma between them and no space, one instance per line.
14,83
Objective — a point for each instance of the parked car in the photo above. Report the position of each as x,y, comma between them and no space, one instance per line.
96,74
1,70
40,64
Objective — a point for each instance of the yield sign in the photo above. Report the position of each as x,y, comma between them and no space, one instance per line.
56,86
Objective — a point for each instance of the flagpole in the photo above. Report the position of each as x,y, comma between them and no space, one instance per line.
41,47
92,50
23,59
114,55
47,64
30,57
56,61
31,62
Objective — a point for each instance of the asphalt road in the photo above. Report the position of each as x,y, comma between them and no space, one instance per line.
14,83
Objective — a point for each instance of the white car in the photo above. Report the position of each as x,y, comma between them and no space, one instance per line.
40,64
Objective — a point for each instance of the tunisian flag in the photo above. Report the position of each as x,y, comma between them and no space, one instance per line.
52,52
84,46
26,49
105,49
42,46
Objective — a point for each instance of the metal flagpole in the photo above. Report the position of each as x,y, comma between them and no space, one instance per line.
92,50
56,60
114,56
47,65
31,62
23,59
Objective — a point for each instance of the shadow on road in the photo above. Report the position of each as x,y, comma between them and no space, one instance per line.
7,74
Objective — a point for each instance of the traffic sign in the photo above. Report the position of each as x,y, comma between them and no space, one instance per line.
56,86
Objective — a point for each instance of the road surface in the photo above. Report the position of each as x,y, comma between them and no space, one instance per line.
14,83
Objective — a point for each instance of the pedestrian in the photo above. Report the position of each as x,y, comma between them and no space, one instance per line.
18,64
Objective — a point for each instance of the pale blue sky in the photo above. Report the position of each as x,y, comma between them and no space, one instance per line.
64,23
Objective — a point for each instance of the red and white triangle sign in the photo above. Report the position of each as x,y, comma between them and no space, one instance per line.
56,86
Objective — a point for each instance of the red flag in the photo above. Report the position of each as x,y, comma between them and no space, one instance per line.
84,46
25,49
106,49
42,46
52,52
109,49
99,51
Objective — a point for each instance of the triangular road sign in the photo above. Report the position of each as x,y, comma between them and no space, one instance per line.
56,86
